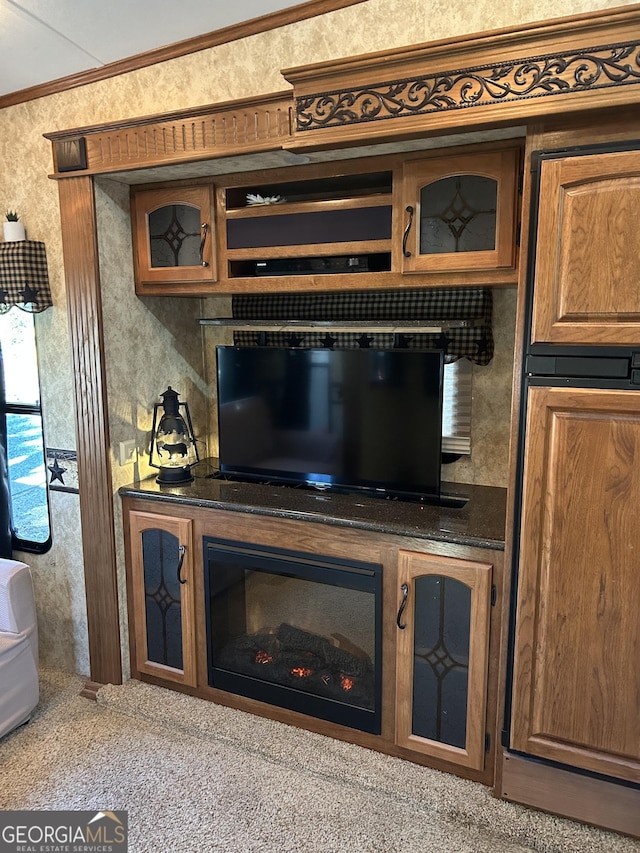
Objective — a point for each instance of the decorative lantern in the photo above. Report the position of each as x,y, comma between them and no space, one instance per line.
173,446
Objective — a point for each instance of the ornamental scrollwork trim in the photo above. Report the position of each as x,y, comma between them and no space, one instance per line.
534,77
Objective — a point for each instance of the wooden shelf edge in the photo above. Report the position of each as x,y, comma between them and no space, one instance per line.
380,327
251,211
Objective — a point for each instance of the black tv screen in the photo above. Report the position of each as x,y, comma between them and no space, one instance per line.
349,419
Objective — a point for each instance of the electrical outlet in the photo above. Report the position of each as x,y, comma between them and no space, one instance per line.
128,451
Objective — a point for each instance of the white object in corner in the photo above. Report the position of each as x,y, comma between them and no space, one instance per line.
13,231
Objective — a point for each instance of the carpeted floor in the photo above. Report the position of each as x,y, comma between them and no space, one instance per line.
194,776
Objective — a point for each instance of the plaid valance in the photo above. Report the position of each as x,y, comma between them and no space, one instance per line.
24,278
473,305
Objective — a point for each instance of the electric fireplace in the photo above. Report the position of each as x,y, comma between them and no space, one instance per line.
295,630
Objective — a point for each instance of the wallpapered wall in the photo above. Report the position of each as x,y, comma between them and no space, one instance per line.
237,70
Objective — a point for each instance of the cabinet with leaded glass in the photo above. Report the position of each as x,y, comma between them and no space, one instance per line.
459,215
173,239
161,596
442,657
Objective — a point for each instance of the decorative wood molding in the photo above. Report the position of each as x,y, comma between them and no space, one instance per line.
503,77
80,250
571,64
233,127
531,77
272,21
90,690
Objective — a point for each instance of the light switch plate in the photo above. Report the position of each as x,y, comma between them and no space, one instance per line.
128,452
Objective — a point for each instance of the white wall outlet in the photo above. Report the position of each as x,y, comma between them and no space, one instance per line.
128,451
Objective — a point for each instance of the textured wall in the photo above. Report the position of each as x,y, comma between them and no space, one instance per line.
241,69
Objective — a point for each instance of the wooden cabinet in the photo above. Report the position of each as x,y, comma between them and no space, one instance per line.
161,596
576,670
587,250
433,695
306,226
442,657
173,240
459,214
333,226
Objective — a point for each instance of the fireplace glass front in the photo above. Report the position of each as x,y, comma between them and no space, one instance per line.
296,630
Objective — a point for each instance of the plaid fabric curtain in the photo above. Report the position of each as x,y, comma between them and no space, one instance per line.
24,278
473,305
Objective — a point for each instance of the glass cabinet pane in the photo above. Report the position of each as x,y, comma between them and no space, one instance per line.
162,593
174,235
441,659
458,214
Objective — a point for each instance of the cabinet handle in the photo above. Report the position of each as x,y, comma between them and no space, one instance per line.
403,604
205,231
405,236
182,550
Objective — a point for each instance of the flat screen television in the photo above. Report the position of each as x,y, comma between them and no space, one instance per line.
356,420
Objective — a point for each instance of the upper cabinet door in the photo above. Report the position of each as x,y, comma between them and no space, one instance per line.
587,250
460,214
172,238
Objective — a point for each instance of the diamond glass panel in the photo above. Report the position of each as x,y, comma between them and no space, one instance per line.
162,597
442,619
174,233
458,214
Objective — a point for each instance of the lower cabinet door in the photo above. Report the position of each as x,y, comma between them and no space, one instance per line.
163,599
576,673
442,661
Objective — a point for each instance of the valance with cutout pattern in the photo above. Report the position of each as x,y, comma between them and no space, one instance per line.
24,277
438,305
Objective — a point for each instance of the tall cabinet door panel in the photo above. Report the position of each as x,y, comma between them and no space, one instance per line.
163,602
577,644
442,657
587,250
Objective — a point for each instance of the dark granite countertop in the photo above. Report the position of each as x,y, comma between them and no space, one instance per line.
480,522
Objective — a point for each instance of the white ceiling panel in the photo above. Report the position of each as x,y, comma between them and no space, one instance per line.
43,40
31,54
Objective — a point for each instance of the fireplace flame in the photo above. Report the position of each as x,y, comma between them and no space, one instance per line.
345,682
301,671
263,657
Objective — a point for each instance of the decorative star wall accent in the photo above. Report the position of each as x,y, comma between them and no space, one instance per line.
62,466
57,472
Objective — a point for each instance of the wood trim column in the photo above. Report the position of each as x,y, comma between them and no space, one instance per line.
82,275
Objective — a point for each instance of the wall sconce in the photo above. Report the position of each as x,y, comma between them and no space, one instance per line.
173,446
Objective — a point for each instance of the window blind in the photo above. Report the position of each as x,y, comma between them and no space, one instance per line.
456,409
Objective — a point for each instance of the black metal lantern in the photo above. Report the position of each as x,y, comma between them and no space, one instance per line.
173,445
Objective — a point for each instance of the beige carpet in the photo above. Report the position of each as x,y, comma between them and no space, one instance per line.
198,777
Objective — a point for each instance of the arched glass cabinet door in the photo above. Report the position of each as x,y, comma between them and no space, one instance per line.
173,235
444,607
162,597
460,213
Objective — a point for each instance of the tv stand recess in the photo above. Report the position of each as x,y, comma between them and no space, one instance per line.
424,551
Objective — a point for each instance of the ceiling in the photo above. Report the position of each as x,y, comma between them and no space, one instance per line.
43,40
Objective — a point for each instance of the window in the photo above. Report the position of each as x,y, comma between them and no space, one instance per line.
21,426
456,407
